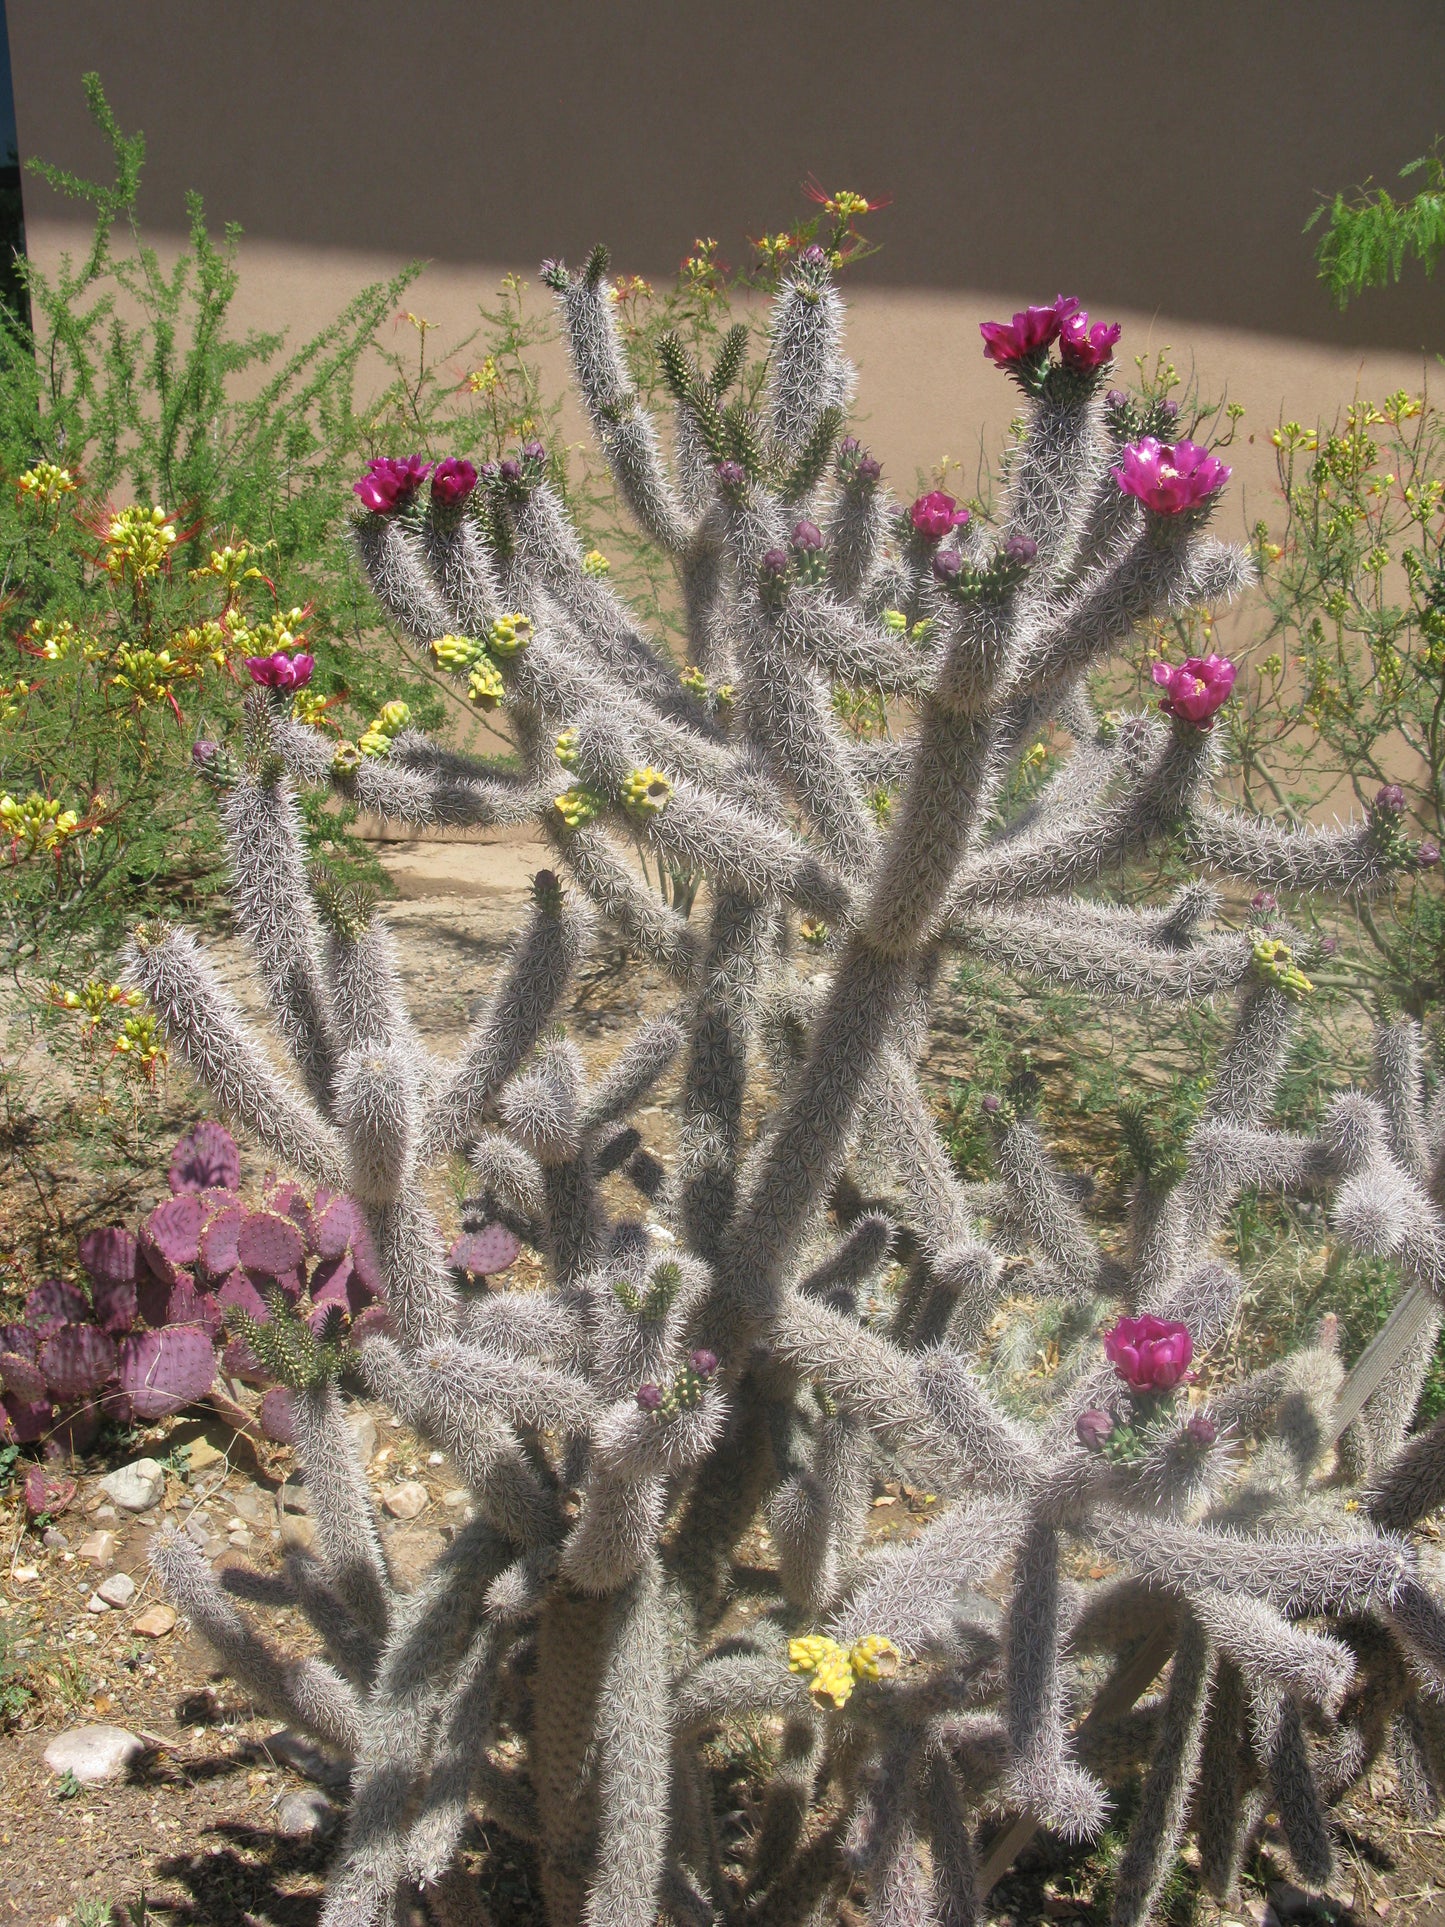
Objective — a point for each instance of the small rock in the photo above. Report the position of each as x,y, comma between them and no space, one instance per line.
198,1530
256,1508
155,1622
240,1540
25,1575
363,1430
458,1496
95,1604
436,1458
204,1455
138,1486
93,1753
53,1539
307,1815
297,1531
294,1498
407,1500
106,1514
98,1549
118,1590
290,1749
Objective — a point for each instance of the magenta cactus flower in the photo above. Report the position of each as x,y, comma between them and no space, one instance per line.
281,671
1082,348
1091,1428
1150,1354
452,481
807,536
1169,478
1196,689
390,481
934,514
1028,335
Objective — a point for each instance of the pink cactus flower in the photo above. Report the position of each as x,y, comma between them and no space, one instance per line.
1082,348
1195,689
1168,479
934,514
1150,1354
1027,335
452,481
389,481
281,671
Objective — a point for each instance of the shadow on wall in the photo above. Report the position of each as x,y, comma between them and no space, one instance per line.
1145,157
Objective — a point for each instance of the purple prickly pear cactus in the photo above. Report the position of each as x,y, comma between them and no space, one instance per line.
21,1339
217,1257
26,1420
45,1495
272,1245
337,1225
278,1419
77,1360
110,1256
371,1323
170,1238
152,1296
239,1291
76,1429
329,1281
188,1306
205,1159
290,1201
239,1361
21,1378
53,1302
482,1252
163,1371
116,1305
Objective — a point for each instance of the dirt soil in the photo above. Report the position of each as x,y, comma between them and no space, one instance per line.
202,1829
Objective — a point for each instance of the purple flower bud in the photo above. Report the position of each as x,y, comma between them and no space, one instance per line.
649,1397
510,471
869,469
991,1105
1391,800
534,451
1021,548
1116,398
814,257
1167,410
204,752
775,562
1201,1430
946,564
1428,854
807,535
730,474
1328,946
703,1362
1091,1428
849,446
489,472
1264,903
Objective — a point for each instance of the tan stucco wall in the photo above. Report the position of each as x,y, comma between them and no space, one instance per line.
1156,159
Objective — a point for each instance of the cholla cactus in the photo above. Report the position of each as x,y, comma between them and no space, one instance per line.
721,1356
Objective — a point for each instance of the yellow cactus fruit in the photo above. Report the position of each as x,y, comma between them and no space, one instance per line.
874,1657
565,748
645,791
485,686
577,806
456,652
508,634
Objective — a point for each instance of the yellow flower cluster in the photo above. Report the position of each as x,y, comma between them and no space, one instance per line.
309,706
577,806
645,791
95,1000
595,563
1274,960
836,1669
138,543
46,485
484,380
53,640
12,694
146,673
139,1042
231,566
38,822
277,632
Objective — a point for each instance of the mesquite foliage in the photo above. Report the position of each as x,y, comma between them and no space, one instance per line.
791,1309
